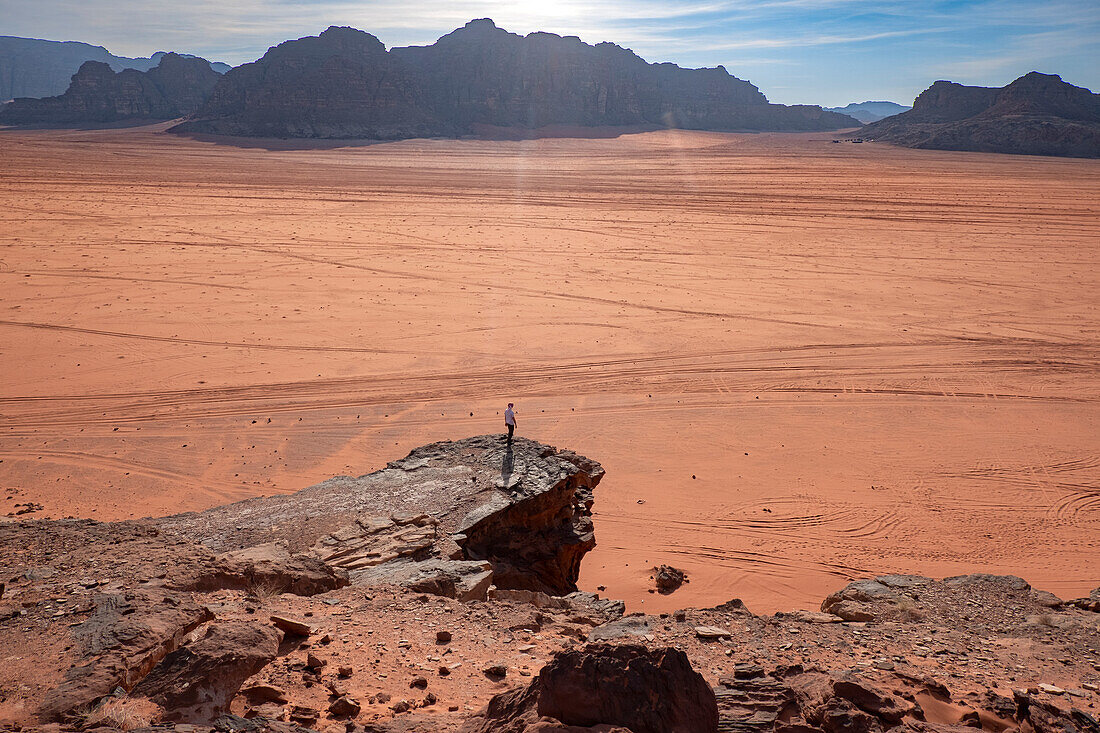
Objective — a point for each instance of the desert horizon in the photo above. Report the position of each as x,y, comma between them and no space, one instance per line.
799,362
550,367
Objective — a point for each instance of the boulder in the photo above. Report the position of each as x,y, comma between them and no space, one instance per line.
626,626
1052,715
643,690
668,579
292,626
872,700
264,569
840,716
126,636
196,683
464,580
344,707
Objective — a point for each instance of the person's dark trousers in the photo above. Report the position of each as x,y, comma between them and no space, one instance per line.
511,429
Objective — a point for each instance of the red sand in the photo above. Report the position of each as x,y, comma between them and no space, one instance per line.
800,362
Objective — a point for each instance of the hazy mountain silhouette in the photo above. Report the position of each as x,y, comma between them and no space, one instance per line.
31,67
867,112
176,86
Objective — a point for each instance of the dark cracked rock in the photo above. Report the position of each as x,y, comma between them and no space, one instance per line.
196,682
124,638
668,579
643,690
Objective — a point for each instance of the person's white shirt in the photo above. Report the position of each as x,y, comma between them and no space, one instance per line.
509,417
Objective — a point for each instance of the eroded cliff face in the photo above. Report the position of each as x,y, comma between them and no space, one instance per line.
174,88
1038,114
536,531
343,83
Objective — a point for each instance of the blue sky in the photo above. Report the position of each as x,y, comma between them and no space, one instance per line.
826,52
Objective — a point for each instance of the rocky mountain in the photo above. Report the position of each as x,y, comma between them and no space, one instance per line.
31,67
867,112
344,83
1038,114
176,86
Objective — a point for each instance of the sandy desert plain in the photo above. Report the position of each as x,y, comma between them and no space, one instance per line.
800,362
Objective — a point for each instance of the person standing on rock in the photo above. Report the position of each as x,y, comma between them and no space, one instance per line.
510,421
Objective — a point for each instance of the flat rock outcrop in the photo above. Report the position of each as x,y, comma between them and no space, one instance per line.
630,686
451,517
1037,114
914,597
343,83
97,94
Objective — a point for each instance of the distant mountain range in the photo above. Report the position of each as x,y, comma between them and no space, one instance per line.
175,87
30,67
1038,114
867,112
345,84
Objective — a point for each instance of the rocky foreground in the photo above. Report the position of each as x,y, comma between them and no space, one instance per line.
439,594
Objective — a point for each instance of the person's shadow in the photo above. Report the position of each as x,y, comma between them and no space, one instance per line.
507,466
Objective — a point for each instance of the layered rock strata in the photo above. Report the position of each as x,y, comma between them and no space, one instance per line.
451,518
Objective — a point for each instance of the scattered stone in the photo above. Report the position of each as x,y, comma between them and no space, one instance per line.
497,671
711,632
258,694
293,627
668,579
626,626
305,716
420,682
344,707
443,637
